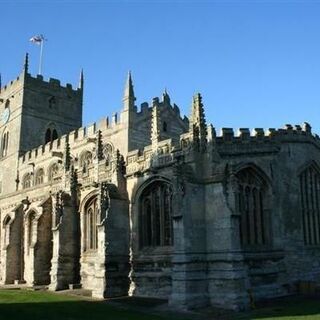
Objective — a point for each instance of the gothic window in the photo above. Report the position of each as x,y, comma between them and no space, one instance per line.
86,161
155,222
252,204
27,181
90,225
4,144
51,134
52,102
54,172
39,176
6,226
54,134
310,205
107,152
164,127
48,135
31,228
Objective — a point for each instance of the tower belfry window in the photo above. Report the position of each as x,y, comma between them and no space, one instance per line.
48,136
51,134
52,102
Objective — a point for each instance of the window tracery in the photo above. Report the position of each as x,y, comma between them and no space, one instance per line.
252,204
310,205
90,225
155,222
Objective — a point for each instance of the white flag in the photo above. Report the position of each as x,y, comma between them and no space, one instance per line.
37,39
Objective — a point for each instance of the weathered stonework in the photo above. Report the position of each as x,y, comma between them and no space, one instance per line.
152,204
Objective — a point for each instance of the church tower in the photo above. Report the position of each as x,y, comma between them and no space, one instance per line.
33,112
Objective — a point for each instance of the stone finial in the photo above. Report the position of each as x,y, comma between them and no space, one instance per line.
81,80
26,63
306,127
128,98
67,157
198,125
120,163
166,98
155,126
99,146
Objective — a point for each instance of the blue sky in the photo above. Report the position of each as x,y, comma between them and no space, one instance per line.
256,63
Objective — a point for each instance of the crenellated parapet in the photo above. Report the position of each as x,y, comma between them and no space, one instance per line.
289,133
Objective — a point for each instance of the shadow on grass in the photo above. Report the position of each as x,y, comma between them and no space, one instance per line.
68,310
31,305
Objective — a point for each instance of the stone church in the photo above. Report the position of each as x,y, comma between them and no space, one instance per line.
152,204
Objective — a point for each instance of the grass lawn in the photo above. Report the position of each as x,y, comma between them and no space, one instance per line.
36,305
290,308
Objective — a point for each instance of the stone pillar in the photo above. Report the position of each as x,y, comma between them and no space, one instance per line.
112,261
189,279
12,244
227,273
66,241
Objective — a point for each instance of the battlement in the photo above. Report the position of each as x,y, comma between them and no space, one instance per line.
76,137
146,109
7,88
289,131
50,83
38,80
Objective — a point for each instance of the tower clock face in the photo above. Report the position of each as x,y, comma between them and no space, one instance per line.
5,116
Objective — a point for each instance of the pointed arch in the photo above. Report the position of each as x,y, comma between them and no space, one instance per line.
253,201
39,176
90,211
51,133
4,143
54,171
86,159
155,213
309,179
27,181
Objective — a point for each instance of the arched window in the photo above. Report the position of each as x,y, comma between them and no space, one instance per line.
86,161
107,152
54,134
90,224
48,135
27,181
6,226
52,102
155,221
164,126
31,228
39,176
51,133
4,143
54,172
310,205
253,207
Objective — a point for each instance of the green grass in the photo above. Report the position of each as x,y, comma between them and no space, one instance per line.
42,305
35,305
291,308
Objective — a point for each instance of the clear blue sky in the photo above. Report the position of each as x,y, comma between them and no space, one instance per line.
256,63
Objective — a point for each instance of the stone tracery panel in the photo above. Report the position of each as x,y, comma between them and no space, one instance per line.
310,204
253,207
155,215
91,212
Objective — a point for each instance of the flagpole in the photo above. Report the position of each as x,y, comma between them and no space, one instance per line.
41,53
